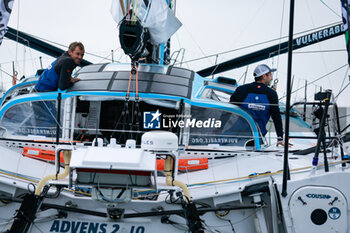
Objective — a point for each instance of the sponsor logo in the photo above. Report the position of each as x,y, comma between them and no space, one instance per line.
209,123
94,227
257,107
316,36
318,196
334,213
213,140
151,120
155,120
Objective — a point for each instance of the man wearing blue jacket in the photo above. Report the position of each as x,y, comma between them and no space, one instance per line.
261,101
59,73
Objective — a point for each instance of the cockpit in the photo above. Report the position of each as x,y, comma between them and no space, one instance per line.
163,98
83,118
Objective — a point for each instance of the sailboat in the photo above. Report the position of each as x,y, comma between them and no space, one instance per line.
152,148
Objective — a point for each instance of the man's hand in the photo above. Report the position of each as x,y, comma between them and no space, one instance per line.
74,80
281,143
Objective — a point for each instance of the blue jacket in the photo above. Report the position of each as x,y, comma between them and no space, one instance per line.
57,75
48,80
261,102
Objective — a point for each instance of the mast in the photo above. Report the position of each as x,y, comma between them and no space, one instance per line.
289,76
147,38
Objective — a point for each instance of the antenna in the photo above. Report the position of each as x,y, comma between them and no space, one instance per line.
41,62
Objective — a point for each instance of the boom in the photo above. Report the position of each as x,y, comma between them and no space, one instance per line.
37,44
274,50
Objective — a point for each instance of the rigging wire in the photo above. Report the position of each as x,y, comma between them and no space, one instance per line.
251,20
341,86
135,13
18,13
344,116
177,38
330,8
5,72
24,56
323,51
17,30
317,79
260,43
279,41
342,90
122,6
34,64
200,48
48,109
319,44
255,14
29,59
52,42
110,54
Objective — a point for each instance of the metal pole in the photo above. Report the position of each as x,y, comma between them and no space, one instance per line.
2,83
245,75
59,98
41,62
321,133
289,75
325,159
14,73
216,61
305,99
339,135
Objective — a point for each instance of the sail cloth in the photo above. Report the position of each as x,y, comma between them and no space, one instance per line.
154,15
345,14
5,11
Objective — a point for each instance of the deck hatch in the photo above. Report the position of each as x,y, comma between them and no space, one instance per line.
154,83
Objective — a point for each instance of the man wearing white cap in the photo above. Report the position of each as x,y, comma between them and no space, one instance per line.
260,101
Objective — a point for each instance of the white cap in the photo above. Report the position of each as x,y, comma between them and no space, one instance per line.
262,69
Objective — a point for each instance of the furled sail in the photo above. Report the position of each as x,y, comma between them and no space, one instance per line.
153,14
345,14
5,11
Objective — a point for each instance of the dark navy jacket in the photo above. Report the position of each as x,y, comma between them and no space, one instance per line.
57,75
261,102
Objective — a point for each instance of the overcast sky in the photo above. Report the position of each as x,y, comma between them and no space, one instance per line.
209,27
